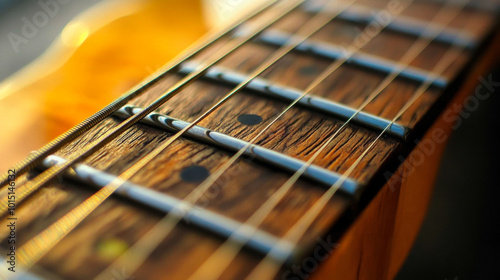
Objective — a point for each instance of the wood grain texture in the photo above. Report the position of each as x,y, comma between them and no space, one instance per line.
376,249
372,248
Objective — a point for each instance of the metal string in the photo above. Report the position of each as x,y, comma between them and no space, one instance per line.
271,264
139,252
55,232
45,177
33,159
162,230
219,260
38,246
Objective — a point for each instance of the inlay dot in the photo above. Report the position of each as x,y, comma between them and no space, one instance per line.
194,173
249,119
308,70
111,248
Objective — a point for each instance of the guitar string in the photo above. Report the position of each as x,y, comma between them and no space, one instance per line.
271,264
39,245
161,230
35,158
63,225
135,256
270,261
48,175
216,264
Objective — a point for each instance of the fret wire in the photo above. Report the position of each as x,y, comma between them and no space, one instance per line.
79,213
265,88
408,26
45,177
282,161
163,228
225,250
202,218
271,264
59,229
364,60
36,157
160,236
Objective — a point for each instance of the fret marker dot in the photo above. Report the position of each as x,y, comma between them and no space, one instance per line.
194,173
249,119
308,70
111,248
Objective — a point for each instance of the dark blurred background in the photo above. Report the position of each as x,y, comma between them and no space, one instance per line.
460,235
459,238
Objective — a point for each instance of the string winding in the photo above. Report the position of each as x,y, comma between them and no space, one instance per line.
271,264
45,177
224,255
35,158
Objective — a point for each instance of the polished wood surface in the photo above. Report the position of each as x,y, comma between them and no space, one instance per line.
372,248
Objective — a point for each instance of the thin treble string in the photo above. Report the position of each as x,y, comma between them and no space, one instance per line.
143,248
33,159
231,247
55,233
216,264
38,246
57,170
270,265
148,240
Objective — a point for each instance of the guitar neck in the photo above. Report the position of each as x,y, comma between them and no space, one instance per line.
302,101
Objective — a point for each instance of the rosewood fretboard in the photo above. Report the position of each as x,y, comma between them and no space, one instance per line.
275,156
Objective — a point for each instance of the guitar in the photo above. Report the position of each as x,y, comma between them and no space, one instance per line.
298,140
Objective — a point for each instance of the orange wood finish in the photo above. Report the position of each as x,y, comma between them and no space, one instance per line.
108,62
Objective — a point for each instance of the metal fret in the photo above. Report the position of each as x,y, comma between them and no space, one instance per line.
44,178
315,173
332,51
360,14
25,274
34,158
316,103
261,242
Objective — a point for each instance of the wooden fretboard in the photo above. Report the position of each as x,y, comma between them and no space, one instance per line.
274,155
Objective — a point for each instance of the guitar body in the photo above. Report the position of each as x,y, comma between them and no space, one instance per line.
67,84
108,50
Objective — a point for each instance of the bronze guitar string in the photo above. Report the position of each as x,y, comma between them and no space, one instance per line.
270,265
220,259
65,224
160,231
284,10
45,177
35,158
296,232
